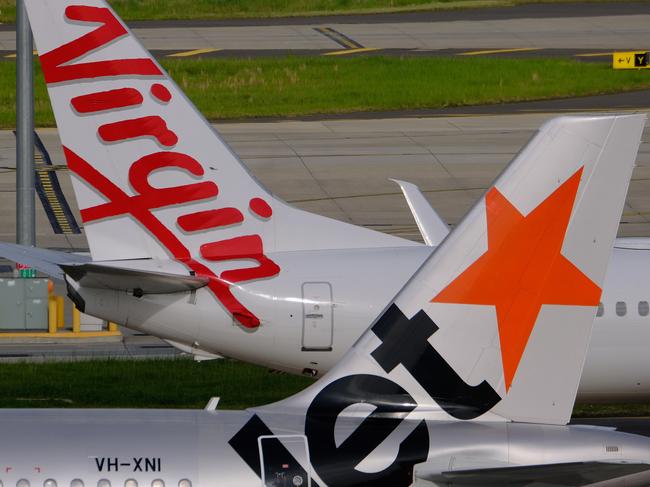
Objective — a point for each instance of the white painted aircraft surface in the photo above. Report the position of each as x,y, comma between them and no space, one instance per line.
186,245
468,375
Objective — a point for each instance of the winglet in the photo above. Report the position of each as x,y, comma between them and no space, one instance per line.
432,228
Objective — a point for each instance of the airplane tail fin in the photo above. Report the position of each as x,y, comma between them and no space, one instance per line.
151,176
496,323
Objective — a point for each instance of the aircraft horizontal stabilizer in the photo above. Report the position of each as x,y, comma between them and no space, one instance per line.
198,354
100,276
575,474
45,261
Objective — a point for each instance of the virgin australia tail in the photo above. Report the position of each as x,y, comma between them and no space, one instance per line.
495,324
151,176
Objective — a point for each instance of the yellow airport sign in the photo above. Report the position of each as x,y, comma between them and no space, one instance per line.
631,60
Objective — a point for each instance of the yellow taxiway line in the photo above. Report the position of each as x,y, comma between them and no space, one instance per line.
594,54
61,334
500,51
194,52
351,51
11,56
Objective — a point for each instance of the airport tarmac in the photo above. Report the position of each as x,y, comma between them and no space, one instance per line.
582,55
637,426
609,26
608,32
131,345
341,168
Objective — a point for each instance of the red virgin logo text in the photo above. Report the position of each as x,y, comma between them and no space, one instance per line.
57,67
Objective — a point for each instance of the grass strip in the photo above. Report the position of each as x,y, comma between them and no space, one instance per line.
229,9
299,86
180,383
611,410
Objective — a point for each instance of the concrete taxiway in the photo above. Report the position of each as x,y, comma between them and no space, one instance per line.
578,26
610,32
129,346
341,168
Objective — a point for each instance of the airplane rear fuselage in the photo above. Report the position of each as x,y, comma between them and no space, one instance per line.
322,301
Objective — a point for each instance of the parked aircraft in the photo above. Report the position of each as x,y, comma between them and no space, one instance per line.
467,377
188,246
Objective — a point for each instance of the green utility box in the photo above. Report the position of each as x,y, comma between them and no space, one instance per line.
23,304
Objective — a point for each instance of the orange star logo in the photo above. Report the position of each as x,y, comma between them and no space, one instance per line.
523,268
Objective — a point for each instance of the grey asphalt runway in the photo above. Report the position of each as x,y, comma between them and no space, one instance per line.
548,26
638,426
582,55
527,11
632,100
548,10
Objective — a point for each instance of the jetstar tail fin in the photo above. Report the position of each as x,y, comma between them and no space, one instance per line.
496,322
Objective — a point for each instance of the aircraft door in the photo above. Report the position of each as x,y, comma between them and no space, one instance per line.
282,458
317,318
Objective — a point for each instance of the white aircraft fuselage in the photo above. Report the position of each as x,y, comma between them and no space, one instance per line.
166,448
322,301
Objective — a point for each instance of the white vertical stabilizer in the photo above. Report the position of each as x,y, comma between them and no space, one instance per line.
151,176
497,321
153,180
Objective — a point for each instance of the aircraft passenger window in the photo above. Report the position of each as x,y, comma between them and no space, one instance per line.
158,483
184,483
22,483
601,310
76,483
621,308
644,308
103,483
131,483
49,483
